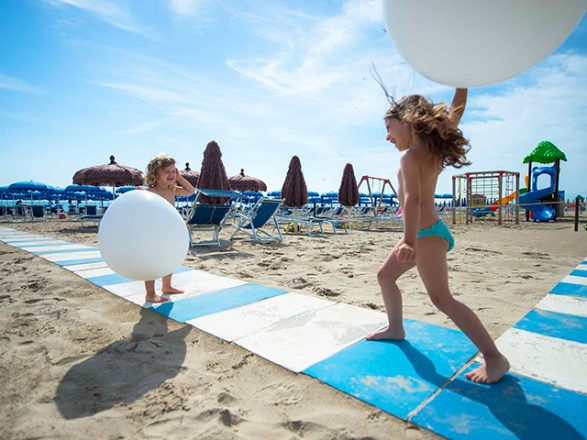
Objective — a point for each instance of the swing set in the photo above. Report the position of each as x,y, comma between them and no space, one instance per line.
371,181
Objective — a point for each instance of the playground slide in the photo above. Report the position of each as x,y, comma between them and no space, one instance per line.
540,212
504,201
481,212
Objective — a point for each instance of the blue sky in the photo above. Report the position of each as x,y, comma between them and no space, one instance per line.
83,79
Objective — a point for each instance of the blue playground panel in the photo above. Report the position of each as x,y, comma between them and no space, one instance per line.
555,325
397,376
214,302
515,408
569,289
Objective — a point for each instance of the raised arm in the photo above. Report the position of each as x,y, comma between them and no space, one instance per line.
186,188
457,108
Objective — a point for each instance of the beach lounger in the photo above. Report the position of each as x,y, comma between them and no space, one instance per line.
259,215
208,217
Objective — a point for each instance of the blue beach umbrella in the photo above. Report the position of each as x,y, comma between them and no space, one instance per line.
125,189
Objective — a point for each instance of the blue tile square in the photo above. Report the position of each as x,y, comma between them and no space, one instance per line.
214,302
515,408
569,289
555,325
397,376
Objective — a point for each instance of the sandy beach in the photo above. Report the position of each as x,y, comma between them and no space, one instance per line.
79,362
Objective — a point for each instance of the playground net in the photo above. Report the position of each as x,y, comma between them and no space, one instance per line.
487,196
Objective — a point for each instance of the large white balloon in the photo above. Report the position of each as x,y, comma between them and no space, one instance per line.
142,237
467,43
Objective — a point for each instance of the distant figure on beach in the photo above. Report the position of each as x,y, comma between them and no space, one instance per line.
429,137
162,178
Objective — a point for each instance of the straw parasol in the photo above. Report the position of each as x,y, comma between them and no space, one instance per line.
241,182
111,174
348,193
213,174
190,175
294,191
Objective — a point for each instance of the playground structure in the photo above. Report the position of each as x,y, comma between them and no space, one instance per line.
490,195
486,195
547,203
383,182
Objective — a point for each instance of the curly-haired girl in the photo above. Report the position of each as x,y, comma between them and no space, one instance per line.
428,134
162,178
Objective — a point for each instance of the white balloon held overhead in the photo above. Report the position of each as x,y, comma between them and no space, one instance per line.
469,43
142,237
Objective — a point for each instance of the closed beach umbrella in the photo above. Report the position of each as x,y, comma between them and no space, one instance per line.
190,175
212,174
242,182
111,174
294,191
348,193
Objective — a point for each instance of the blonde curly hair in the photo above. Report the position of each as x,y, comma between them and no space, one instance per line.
432,123
155,165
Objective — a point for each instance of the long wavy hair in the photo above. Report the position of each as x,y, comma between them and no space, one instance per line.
156,164
431,123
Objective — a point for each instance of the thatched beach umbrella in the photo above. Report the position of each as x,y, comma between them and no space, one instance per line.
112,174
190,175
213,174
242,182
348,193
294,191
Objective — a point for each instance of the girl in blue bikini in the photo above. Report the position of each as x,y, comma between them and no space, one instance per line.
428,136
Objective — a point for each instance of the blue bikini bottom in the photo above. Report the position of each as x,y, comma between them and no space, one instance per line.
438,229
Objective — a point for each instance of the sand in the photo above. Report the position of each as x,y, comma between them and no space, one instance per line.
79,362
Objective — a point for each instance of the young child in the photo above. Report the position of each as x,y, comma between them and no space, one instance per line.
428,135
162,176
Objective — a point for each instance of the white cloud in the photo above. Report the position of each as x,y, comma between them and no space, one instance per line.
17,85
113,12
549,103
187,7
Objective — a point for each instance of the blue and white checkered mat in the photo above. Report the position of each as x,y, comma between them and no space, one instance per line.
420,379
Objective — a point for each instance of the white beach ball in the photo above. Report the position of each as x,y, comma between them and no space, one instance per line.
468,43
142,237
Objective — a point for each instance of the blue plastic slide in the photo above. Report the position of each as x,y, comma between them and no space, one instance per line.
540,212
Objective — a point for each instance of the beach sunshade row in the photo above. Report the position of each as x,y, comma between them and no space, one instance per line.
420,379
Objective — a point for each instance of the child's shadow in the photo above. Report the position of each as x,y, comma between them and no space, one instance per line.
124,370
506,400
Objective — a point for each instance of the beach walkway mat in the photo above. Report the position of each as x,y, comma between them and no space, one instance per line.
421,379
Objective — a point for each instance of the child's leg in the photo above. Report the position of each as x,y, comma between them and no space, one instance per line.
166,288
431,262
387,275
151,297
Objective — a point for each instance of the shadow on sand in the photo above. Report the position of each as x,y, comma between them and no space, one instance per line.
125,370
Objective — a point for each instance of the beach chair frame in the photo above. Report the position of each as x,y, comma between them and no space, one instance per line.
259,215
209,217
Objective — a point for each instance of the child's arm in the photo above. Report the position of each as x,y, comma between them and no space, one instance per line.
186,188
457,108
411,206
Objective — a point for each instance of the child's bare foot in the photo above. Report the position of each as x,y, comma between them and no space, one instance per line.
155,299
387,333
171,291
491,372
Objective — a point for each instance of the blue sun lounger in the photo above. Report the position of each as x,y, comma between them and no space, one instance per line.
203,216
262,213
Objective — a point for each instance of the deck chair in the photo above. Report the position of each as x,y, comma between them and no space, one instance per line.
202,217
260,214
92,217
38,213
